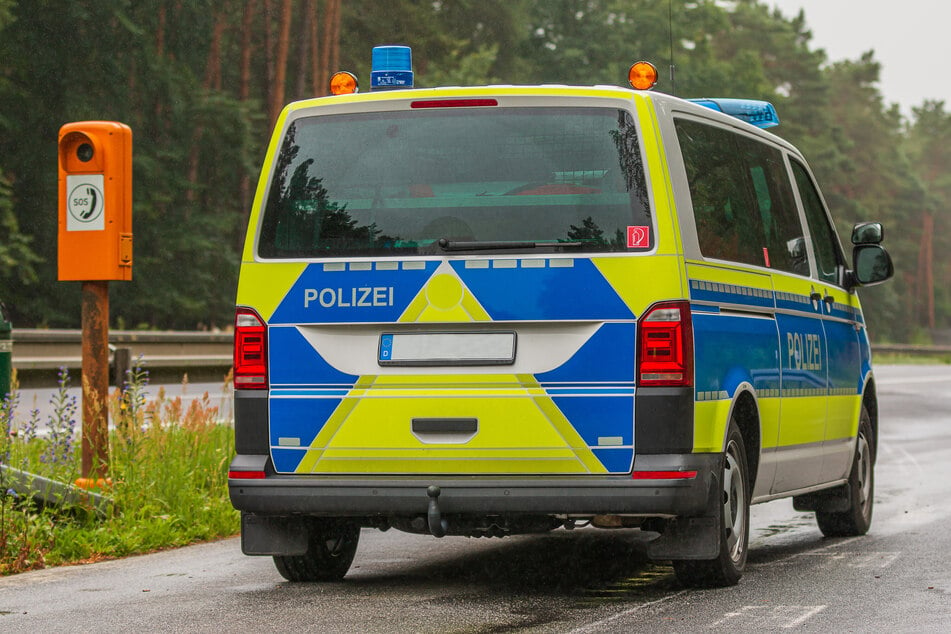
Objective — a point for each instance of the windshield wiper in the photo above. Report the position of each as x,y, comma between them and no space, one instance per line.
486,245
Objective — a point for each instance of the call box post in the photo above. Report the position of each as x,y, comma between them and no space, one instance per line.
95,246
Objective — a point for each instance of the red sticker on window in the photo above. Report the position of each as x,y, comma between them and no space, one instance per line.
638,237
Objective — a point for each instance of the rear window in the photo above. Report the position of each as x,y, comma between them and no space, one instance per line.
398,183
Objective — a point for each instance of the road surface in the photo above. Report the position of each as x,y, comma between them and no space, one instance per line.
897,578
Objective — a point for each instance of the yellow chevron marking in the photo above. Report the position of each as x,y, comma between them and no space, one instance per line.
521,430
640,281
264,286
330,428
444,298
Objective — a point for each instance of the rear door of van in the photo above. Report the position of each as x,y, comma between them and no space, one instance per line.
445,286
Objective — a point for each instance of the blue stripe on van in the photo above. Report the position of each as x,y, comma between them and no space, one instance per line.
325,294
733,349
738,295
286,460
298,362
529,293
600,417
720,293
608,356
615,460
299,418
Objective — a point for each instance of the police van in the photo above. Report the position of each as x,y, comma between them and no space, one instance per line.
510,309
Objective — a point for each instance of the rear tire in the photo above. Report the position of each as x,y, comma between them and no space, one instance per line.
727,568
860,489
331,547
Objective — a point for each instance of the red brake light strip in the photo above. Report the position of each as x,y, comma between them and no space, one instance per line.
245,475
453,103
664,475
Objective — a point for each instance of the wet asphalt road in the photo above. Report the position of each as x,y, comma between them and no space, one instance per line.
897,578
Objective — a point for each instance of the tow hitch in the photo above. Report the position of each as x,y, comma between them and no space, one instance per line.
437,525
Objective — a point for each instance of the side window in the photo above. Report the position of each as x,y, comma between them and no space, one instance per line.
783,237
742,199
824,241
722,201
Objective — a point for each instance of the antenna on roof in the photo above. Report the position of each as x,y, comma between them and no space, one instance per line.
670,32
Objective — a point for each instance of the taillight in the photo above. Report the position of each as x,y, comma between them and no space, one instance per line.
250,351
665,346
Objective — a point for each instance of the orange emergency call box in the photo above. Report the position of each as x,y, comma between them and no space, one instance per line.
95,201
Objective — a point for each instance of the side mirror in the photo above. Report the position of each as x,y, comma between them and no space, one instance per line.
871,264
868,233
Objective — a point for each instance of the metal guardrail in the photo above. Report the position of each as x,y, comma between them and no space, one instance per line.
912,350
52,349
51,492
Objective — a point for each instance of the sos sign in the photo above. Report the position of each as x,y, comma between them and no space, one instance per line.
85,203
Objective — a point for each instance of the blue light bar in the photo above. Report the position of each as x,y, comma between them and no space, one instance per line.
762,114
391,68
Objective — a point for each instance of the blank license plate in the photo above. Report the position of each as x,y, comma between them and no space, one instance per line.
447,348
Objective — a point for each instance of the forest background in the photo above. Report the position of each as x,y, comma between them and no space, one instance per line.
201,82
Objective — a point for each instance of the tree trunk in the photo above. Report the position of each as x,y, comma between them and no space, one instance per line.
335,39
212,81
247,21
244,93
280,64
315,86
325,47
303,50
159,53
924,281
213,67
160,32
268,57
929,270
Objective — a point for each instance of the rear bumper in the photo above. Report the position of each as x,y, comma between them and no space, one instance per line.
349,496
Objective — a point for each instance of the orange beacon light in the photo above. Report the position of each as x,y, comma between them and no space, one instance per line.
95,201
642,76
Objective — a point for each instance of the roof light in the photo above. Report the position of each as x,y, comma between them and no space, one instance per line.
643,76
392,68
762,114
344,83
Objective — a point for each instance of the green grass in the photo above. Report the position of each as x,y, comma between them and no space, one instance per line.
168,465
893,358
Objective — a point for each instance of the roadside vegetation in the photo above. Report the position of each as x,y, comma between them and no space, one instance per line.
168,471
894,358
